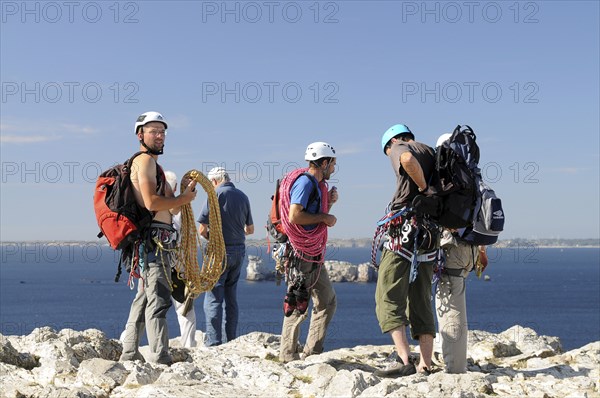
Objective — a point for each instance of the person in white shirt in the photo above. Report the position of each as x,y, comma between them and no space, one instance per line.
187,322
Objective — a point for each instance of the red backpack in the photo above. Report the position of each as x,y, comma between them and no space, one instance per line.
274,226
120,218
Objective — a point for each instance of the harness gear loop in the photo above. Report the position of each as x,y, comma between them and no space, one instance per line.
401,232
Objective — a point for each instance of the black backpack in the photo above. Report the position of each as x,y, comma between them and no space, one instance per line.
453,183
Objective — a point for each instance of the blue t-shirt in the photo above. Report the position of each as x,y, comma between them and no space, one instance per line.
235,213
301,192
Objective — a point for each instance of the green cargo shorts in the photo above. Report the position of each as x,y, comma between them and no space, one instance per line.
398,303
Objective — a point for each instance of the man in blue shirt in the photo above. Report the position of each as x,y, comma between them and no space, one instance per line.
305,205
236,219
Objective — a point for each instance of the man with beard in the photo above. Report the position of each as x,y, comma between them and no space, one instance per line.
305,205
153,299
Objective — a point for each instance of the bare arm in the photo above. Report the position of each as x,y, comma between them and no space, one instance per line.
169,194
413,169
249,229
145,168
299,216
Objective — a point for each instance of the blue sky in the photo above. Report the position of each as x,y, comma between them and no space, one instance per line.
247,85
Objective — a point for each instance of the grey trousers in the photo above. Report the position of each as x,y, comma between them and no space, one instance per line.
324,305
148,311
451,307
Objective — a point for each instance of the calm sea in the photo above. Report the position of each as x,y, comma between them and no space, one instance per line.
554,291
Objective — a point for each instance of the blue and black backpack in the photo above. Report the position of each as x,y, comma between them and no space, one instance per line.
457,197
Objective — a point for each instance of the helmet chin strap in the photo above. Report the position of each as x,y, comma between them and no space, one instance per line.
150,150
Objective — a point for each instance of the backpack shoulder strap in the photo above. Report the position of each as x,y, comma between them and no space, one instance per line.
275,213
314,194
129,161
161,180
160,174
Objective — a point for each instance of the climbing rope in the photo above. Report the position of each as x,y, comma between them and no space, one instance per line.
392,220
309,245
213,257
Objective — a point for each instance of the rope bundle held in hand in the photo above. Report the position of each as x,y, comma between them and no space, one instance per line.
306,243
213,258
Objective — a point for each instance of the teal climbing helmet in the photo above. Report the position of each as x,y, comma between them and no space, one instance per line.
392,132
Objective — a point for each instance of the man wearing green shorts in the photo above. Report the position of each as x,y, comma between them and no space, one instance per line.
398,302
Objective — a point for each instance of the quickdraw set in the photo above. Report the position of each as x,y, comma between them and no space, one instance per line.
405,234
286,265
388,230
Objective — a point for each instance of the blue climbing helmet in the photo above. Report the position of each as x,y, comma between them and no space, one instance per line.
392,132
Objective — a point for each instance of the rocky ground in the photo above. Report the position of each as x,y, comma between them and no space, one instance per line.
68,363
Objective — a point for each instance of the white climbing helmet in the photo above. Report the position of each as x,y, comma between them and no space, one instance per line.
148,117
443,138
318,150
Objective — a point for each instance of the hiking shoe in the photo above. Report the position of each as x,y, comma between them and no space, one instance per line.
166,361
396,369
394,366
393,357
438,359
285,358
425,371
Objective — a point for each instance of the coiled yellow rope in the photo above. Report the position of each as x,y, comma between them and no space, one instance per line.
213,258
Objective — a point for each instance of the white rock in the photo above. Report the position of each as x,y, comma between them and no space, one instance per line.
140,374
366,273
311,380
9,355
516,362
528,342
58,363
341,271
101,373
258,271
346,384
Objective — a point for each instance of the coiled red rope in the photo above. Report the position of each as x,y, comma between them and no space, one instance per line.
309,245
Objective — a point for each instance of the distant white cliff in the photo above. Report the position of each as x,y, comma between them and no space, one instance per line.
339,271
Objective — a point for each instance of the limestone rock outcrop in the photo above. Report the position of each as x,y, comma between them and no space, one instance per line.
516,362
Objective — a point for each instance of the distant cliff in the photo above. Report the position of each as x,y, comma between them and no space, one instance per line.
339,271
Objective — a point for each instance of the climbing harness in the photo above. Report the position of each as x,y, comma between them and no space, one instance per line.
388,229
299,288
404,234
